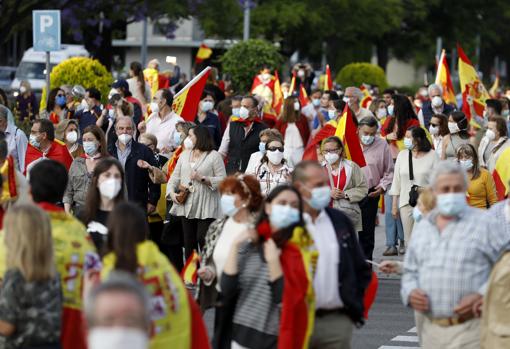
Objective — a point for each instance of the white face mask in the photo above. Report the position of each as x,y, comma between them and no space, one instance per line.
244,113
117,337
381,113
72,137
109,188
296,106
434,130
154,107
453,127
390,109
490,135
331,158
188,143
275,156
125,138
207,105
436,101
235,111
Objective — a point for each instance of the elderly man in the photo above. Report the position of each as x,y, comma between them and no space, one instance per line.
435,105
118,314
378,174
16,139
140,188
353,97
448,263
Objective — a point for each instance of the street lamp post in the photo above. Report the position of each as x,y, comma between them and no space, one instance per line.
246,27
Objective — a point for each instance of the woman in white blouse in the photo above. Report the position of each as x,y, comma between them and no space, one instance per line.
272,169
438,130
198,172
423,159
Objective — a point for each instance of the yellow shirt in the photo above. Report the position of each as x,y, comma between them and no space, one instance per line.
482,190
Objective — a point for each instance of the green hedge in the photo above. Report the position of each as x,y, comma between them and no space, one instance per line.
355,74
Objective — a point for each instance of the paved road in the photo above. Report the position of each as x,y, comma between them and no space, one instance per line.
390,325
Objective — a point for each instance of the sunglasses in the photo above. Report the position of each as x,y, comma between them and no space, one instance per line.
280,149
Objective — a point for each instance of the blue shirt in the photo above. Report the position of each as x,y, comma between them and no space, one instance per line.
316,121
212,122
86,118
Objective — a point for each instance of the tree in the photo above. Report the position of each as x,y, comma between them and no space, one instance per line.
244,60
356,74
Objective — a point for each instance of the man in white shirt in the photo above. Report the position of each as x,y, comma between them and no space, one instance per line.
353,97
342,273
162,121
16,139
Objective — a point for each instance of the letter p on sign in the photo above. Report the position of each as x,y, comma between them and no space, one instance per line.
45,23
46,30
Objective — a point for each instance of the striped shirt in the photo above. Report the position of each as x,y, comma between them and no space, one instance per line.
451,264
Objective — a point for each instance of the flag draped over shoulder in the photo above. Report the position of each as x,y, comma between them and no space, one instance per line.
501,174
186,100
176,319
277,94
444,80
347,132
203,53
328,82
471,86
367,98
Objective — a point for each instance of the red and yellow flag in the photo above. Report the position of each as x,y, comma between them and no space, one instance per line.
303,96
277,94
367,98
471,86
328,82
186,100
444,80
292,87
189,272
346,130
203,53
501,174
493,91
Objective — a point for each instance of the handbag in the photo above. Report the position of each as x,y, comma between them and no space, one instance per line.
182,194
414,193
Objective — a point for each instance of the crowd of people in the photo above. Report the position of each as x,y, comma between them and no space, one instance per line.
103,206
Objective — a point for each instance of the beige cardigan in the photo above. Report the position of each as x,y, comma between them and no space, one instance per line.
204,201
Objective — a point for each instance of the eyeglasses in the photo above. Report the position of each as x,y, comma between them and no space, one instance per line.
331,151
280,149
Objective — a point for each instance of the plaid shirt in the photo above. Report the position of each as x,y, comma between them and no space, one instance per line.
454,263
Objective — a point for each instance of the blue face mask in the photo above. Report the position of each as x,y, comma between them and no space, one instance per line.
408,143
451,204
90,148
367,140
60,100
177,138
283,216
262,147
417,215
390,109
228,206
34,142
331,114
235,111
320,198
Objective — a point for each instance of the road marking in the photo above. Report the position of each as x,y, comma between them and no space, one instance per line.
396,347
413,339
413,330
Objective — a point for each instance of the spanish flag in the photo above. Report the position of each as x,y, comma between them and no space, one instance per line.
367,98
303,96
493,91
292,87
470,85
444,80
346,130
501,174
203,53
189,272
186,100
328,82
277,94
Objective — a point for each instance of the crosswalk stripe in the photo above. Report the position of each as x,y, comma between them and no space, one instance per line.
395,347
413,339
413,330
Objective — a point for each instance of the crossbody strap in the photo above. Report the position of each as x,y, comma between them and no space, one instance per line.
411,174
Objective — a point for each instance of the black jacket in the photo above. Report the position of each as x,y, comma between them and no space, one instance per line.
139,186
242,145
354,273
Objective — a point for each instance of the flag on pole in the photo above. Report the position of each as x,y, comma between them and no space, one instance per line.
277,94
494,88
367,98
501,174
292,87
204,52
328,82
347,132
303,96
471,86
444,80
186,100
370,293
189,273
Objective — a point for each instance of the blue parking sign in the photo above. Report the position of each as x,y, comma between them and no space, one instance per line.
46,30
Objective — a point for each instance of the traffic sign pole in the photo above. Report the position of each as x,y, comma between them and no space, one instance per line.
47,77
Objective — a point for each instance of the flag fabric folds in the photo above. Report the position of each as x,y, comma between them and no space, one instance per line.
444,80
328,82
471,86
493,91
189,272
277,94
367,98
501,174
204,52
292,87
303,96
186,100
346,130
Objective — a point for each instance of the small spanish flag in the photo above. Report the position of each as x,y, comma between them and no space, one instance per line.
328,82
186,100
203,53
292,87
346,130
367,98
501,174
277,94
189,272
303,96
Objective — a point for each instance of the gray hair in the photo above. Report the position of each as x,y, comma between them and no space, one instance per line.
446,167
435,87
118,281
126,117
4,112
357,92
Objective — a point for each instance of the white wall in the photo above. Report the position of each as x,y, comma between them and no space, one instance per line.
183,54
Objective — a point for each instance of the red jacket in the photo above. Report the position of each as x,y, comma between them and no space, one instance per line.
58,152
302,125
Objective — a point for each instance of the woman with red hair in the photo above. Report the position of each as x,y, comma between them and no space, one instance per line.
240,202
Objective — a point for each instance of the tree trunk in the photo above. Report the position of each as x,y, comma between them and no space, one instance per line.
382,55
